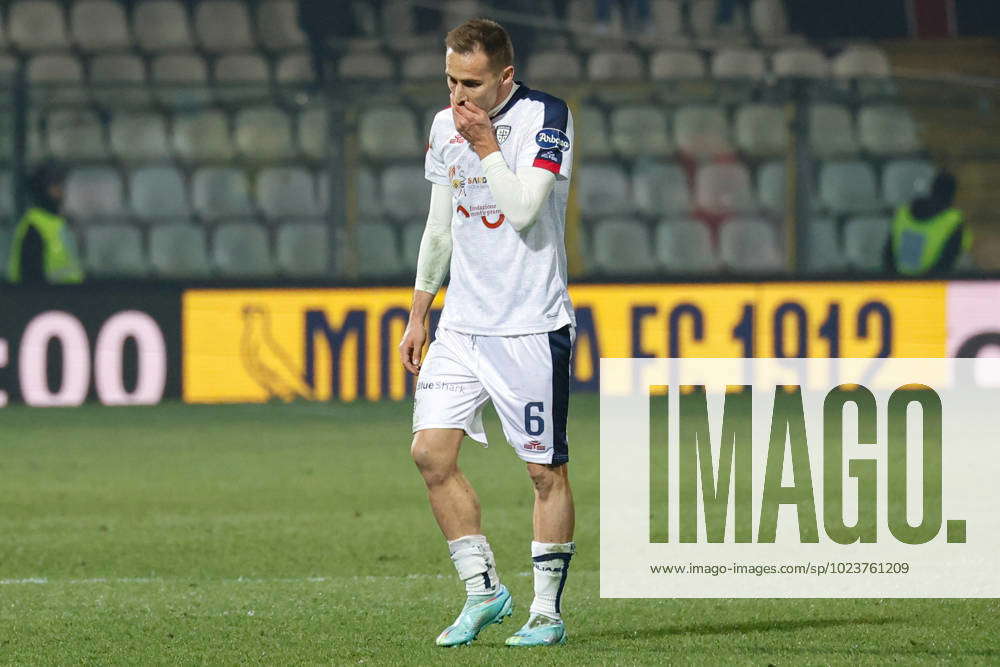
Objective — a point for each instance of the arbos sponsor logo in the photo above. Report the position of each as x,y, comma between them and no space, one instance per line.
550,138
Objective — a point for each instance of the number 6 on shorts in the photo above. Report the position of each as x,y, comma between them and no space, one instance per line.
534,424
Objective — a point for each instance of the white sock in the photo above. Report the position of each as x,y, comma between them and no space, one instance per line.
476,566
551,564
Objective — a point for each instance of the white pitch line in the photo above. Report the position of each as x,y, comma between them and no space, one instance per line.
237,580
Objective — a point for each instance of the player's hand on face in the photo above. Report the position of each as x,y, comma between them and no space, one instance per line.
473,123
411,347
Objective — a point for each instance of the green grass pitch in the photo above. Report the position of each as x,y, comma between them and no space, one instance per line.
300,534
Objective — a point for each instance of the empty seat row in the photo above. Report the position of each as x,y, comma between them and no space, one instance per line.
746,245
758,130
615,66
155,25
655,188
262,133
219,25
97,75
217,193
161,194
235,250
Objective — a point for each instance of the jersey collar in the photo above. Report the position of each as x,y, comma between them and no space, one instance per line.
516,92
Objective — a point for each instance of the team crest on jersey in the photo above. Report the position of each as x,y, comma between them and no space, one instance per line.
501,132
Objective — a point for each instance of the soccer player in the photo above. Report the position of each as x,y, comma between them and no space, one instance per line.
499,162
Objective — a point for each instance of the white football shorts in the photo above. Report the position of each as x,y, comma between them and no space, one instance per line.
526,377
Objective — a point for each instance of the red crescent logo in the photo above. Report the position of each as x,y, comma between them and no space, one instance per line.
461,209
493,225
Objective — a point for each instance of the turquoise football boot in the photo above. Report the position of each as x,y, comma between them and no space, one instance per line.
540,630
478,612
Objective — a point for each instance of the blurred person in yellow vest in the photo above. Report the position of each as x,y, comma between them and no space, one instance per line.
43,249
928,235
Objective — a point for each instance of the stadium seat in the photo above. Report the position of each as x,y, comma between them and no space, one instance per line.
181,80
202,136
615,67
242,250
37,25
139,136
370,204
413,234
389,132
6,200
888,130
405,192
768,20
724,189
771,182
6,235
823,251
303,249
295,69
118,81
161,25
904,180
861,62
603,190
264,133
685,246
800,62
368,65
640,130
749,246
738,64
660,188
286,192
622,247
312,133
114,250
701,18
76,135
848,187
58,79
674,65
158,193
864,242
179,251
378,250
399,26
278,25
95,193
241,77
221,192
423,67
552,66
761,130
831,131
591,129
702,131
668,21
99,25
223,25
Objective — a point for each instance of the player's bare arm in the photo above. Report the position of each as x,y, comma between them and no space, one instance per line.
412,345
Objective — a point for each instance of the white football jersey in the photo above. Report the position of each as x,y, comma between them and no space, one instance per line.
505,283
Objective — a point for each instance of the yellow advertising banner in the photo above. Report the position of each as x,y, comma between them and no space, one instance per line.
254,345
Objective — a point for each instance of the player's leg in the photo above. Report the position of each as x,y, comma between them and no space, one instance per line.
528,379
448,405
453,500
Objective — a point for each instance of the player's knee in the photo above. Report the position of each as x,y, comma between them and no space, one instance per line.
546,478
433,467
